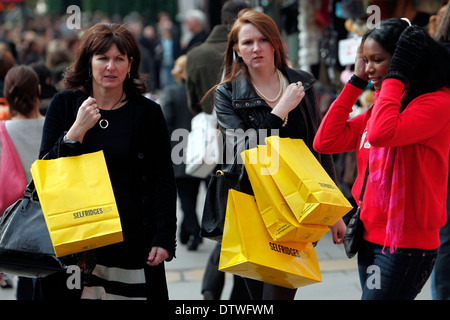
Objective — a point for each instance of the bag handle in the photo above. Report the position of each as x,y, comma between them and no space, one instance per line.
30,189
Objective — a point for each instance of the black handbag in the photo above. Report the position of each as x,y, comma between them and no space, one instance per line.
25,245
354,234
216,198
213,219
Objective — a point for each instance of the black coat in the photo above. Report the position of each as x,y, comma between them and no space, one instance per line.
238,106
177,115
150,218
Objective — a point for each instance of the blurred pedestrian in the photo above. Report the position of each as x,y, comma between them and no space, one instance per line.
195,22
167,52
7,61
203,69
176,112
58,58
24,130
149,41
48,90
205,61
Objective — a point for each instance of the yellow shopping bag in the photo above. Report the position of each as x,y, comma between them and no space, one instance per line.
78,202
249,251
309,191
278,217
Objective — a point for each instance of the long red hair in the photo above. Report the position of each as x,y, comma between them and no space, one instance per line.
269,29
265,24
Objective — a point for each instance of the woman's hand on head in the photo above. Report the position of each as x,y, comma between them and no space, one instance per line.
87,116
360,65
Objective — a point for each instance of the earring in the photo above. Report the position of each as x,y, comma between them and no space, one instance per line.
90,74
128,76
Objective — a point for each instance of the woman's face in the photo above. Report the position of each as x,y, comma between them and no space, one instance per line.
109,70
377,62
255,50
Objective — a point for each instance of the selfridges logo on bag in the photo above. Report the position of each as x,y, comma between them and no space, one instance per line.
295,252
284,249
243,140
91,212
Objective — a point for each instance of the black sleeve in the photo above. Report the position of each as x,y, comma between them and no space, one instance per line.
59,118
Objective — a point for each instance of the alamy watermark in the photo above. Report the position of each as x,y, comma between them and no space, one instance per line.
374,20
374,279
73,282
74,20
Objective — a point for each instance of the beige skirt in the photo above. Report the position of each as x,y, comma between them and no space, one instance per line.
111,283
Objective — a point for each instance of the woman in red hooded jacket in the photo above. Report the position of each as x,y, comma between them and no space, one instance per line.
403,139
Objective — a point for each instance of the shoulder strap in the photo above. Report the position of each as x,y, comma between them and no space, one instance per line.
364,185
11,171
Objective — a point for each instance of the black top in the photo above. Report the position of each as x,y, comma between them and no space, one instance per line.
137,151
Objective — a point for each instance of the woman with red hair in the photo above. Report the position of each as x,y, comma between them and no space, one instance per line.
261,93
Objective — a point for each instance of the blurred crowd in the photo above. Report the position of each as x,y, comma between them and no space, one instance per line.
47,43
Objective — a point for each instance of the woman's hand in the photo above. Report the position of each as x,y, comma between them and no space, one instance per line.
409,50
360,65
294,93
87,116
338,231
156,256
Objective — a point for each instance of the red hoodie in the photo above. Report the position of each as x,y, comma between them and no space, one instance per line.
422,130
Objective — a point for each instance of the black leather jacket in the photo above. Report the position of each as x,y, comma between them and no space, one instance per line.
238,106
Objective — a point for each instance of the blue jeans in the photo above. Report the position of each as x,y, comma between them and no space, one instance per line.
397,276
441,287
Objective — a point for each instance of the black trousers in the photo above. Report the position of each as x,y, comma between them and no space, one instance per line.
187,192
214,280
265,291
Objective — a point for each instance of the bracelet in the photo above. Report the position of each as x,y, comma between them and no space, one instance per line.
67,140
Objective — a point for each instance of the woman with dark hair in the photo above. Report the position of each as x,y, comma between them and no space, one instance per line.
261,94
103,109
403,141
24,131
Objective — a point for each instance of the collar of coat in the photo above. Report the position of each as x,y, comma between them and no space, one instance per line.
243,90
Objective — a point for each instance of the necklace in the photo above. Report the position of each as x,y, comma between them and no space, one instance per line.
103,123
287,116
280,77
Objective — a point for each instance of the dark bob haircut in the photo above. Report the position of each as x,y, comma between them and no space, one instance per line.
97,40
